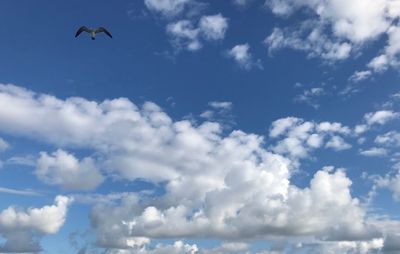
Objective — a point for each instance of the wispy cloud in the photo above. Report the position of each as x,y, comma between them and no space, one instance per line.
26,192
311,96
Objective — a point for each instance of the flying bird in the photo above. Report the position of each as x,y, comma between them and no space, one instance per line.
92,32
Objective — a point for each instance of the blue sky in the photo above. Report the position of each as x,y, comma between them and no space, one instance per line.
237,126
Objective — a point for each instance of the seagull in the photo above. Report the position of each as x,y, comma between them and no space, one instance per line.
92,32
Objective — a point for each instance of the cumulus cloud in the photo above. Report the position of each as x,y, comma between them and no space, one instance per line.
373,246
63,169
336,29
213,27
241,54
225,185
389,58
19,227
380,117
337,143
297,138
391,138
167,7
231,212
184,34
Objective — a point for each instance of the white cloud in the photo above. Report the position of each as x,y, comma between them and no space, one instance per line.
379,63
391,182
47,219
167,7
63,169
214,183
281,126
240,53
178,247
373,246
18,227
343,28
228,248
186,35
221,112
338,144
380,117
27,160
241,2
359,76
301,137
356,21
19,192
310,96
224,105
310,39
374,152
231,212
390,56
3,145
213,27
360,129
391,138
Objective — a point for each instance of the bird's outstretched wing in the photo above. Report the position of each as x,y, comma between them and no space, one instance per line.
82,29
103,30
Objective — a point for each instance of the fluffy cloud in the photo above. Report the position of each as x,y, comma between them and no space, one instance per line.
240,53
215,184
357,21
371,119
213,27
391,138
186,35
243,209
63,169
167,7
390,56
18,227
380,117
343,247
299,137
338,144
337,28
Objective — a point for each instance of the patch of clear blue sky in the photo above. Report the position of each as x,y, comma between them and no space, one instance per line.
38,51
